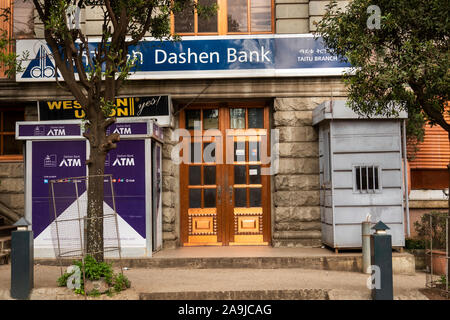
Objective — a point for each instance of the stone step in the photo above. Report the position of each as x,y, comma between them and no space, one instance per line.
300,294
403,263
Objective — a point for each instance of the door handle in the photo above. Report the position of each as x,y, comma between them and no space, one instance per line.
230,192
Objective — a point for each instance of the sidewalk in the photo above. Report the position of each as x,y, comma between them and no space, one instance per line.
272,284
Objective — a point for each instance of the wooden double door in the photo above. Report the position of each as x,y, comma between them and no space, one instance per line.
224,175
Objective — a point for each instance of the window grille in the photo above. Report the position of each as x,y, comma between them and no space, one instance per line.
367,178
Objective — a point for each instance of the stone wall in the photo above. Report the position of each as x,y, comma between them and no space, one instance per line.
170,195
296,211
299,16
12,175
12,186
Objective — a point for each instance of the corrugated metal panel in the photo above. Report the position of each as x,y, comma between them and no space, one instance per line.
434,151
5,26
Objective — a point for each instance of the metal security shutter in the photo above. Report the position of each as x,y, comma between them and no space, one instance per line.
434,152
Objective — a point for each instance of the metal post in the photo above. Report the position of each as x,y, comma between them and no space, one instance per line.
58,256
365,231
22,259
381,259
117,224
405,160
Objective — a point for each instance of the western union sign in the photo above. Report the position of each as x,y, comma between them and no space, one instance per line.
156,107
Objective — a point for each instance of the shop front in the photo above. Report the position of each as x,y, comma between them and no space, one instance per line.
240,155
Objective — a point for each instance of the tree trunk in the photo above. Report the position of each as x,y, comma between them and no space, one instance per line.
96,169
94,227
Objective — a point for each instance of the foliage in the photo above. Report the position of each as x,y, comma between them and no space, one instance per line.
62,281
121,282
8,58
434,230
94,270
404,60
414,243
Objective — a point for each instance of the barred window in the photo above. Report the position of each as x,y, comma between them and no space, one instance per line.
367,178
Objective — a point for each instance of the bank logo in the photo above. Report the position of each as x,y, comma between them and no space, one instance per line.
39,131
70,162
41,66
50,161
124,161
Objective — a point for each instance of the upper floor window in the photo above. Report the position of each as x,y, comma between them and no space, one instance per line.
232,17
10,148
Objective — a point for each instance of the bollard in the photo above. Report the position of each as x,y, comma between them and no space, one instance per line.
365,231
22,259
381,260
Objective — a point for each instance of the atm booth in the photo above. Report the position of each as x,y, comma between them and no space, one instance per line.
56,150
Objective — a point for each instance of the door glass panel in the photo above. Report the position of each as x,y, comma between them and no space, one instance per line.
261,15
255,197
240,197
195,198
195,175
255,118
254,174
209,175
207,23
240,175
253,147
210,119
193,120
210,198
237,16
239,151
237,118
195,152
209,152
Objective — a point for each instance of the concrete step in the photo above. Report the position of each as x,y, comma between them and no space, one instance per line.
403,263
300,294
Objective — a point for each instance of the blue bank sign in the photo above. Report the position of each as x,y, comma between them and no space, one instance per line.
207,57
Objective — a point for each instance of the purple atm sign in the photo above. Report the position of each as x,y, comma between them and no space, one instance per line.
43,131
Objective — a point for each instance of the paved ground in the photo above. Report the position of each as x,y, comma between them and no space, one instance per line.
340,285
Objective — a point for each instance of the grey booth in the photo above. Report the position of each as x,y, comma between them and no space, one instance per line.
361,174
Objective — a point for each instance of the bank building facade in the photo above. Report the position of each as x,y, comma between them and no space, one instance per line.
225,116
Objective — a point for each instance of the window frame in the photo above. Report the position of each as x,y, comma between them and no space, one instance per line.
222,22
377,166
8,157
